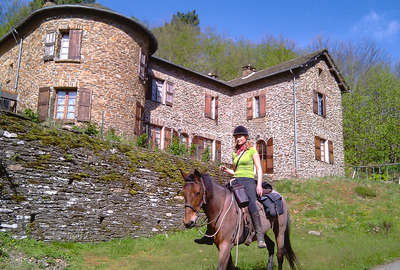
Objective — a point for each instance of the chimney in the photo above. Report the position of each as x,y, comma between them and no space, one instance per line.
247,69
213,75
48,3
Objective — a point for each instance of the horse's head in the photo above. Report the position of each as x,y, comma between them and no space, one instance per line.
194,194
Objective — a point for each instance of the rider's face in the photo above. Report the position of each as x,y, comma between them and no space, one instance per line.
240,139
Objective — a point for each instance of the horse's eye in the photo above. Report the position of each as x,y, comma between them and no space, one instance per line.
198,193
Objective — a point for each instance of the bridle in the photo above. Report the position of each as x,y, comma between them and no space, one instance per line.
203,202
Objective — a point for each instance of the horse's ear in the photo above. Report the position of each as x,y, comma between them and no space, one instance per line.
197,175
183,174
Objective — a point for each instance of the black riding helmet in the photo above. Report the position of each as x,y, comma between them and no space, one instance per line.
240,130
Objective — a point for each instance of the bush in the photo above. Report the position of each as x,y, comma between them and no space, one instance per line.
205,157
34,117
91,129
365,192
112,136
142,140
176,147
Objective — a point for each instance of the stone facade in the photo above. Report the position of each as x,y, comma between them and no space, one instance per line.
109,67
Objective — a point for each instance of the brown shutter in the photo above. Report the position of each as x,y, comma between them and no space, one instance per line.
218,150
138,117
194,143
262,105
270,156
84,105
249,108
200,142
207,112
75,37
167,137
315,102
43,103
142,65
149,88
324,106
330,146
317,148
216,107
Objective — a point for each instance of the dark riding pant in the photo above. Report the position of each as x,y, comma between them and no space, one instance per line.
250,186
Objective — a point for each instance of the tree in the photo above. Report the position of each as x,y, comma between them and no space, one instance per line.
190,18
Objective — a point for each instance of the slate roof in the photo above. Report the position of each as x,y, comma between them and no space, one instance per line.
294,64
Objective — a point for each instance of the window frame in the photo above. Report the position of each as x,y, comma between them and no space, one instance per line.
319,103
256,107
151,131
66,104
50,44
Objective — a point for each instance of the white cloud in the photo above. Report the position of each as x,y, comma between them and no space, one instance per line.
377,26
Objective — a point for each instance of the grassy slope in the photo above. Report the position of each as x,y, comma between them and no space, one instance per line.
357,233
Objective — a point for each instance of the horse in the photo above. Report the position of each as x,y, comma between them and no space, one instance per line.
225,220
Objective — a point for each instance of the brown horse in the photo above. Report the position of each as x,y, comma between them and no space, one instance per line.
227,223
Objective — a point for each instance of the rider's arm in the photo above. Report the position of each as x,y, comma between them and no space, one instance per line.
257,163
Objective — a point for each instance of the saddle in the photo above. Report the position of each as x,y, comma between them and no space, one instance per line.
271,200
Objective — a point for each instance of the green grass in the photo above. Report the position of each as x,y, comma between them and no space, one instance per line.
357,232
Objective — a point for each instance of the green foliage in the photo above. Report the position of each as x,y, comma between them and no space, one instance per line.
142,140
34,117
176,147
190,18
206,156
112,136
365,192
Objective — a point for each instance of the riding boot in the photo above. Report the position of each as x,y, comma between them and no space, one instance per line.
259,233
205,240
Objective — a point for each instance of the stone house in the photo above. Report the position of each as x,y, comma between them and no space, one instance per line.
76,64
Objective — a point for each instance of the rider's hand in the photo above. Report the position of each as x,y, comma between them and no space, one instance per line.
259,190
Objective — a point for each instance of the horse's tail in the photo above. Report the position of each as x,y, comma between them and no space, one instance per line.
289,253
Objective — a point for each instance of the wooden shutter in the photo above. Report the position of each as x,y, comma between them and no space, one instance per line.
218,150
330,146
167,137
270,156
317,148
49,46
207,112
169,93
142,65
194,143
216,108
43,103
138,118
200,142
324,106
84,105
249,108
262,105
149,88
315,102
75,37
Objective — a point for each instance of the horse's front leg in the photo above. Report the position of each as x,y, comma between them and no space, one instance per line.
224,258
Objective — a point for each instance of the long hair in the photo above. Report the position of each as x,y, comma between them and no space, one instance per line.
248,144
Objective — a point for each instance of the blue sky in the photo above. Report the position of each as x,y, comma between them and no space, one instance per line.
300,21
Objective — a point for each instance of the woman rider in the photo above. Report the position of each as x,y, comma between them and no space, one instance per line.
245,158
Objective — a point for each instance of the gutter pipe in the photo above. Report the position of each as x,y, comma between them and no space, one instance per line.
296,161
19,64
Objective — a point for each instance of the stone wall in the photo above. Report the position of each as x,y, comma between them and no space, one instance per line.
80,194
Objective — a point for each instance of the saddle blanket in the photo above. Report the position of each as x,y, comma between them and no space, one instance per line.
272,203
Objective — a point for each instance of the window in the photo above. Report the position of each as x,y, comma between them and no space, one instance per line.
202,145
161,91
142,65
184,139
218,151
64,47
49,45
65,105
8,101
69,45
211,107
256,107
323,150
319,104
154,134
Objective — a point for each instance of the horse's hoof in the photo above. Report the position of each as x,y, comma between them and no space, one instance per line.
204,240
261,244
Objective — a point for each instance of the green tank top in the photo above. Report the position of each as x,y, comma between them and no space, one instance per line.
245,168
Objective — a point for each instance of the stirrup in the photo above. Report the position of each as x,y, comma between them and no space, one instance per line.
204,240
